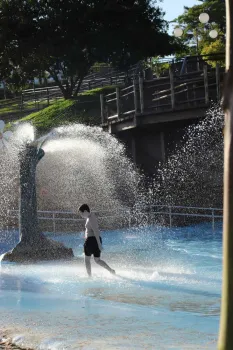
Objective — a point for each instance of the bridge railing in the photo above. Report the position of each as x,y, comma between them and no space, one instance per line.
66,221
171,93
119,103
165,215
174,215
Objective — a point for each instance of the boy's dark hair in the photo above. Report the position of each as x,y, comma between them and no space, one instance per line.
84,207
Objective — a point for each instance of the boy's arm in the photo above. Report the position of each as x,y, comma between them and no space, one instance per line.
95,228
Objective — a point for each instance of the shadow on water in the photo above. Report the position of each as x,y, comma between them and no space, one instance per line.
9,282
171,288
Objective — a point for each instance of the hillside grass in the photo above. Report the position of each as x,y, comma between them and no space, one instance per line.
85,109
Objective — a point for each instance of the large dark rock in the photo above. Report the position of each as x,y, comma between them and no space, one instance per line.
40,248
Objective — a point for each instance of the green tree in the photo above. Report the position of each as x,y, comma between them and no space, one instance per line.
66,37
158,66
214,48
196,35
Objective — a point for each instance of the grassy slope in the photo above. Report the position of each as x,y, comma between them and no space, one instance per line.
86,109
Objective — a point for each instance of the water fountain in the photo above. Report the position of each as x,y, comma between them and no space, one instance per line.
163,274
88,165
33,244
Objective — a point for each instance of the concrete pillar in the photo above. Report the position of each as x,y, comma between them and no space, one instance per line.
162,143
150,147
134,149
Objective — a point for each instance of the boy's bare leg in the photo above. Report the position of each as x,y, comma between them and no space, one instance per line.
104,265
88,264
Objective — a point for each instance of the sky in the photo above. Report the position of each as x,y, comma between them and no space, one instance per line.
174,8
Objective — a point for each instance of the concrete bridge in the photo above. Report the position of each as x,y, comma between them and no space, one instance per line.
150,116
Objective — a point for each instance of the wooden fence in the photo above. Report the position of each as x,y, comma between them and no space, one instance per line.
38,98
190,90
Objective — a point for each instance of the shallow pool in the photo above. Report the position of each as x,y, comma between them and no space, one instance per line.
166,294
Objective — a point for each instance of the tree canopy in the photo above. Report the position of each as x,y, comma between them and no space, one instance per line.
196,35
66,37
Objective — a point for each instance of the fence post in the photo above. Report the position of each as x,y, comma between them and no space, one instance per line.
34,94
4,90
118,102
48,96
21,106
141,93
213,223
135,96
54,223
172,87
129,213
170,216
102,108
205,69
217,82
194,94
8,215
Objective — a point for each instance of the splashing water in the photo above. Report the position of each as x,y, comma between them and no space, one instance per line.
82,164
89,166
192,176
24,133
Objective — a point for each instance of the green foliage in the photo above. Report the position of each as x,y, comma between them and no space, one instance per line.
158,67
16,81
99,66
214,47
65,38
196,35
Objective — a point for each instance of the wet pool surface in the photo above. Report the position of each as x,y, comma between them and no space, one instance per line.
166,294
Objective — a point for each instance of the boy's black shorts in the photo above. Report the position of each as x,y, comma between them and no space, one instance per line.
91,247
